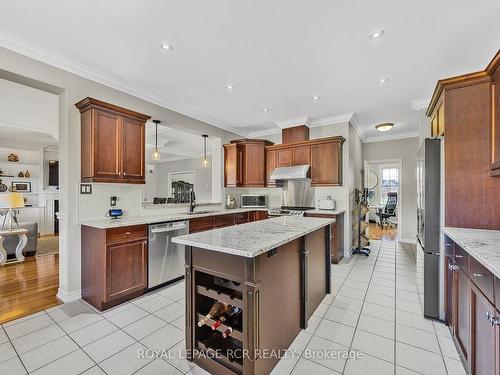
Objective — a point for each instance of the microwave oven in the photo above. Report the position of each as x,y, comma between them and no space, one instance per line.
253,200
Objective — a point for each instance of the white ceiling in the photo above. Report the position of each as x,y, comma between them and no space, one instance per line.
277,54
28,117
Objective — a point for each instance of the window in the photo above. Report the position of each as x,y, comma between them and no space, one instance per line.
390,182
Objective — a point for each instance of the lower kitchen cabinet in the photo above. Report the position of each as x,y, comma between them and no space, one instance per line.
114,264
336,235
200,224
470,310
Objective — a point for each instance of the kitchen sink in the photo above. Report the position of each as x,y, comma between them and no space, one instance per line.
200,212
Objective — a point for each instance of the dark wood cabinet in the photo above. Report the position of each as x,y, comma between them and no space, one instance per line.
324,155
112,143
245,163
485,354
462,311
270,165
113,264
200,224
336,235
449,292
493,70
326,164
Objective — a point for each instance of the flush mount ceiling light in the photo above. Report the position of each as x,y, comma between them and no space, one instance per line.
316,98
266,109
383,80
205,160
156,152
229,87
385,127
377,34
167,47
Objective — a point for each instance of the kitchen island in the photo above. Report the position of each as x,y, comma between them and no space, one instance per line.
275,272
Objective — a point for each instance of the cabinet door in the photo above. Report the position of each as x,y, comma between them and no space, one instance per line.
326,164
449,291
462,329
126,269
302,155
133,148
254,172
483,335
284,157
107,145
231,165
440,119
270,165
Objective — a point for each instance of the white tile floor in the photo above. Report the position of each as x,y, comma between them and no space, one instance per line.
375,309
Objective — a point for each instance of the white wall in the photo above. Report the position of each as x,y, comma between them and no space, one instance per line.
406,150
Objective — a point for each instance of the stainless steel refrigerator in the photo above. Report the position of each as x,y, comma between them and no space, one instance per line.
430,208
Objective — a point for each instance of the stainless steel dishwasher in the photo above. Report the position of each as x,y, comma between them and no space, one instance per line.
165,258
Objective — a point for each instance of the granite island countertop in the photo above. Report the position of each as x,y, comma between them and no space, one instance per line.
255,238
481,244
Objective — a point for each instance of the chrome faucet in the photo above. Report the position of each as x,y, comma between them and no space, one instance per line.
192,201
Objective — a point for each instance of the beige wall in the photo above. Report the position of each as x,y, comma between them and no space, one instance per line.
72,88
406,150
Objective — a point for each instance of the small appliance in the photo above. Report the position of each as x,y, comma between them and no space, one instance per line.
327,204
253,200
288,211
115,213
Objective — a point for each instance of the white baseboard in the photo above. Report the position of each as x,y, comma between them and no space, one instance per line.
408,240
68,297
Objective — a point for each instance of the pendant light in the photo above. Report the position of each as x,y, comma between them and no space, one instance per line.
205,160
156,152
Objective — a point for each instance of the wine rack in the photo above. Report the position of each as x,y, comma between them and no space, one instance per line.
208,290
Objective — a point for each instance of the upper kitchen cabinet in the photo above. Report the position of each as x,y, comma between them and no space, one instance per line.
112,143
289,156
326,163
493,70
245,163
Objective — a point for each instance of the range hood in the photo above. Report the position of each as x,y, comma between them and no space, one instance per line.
296,172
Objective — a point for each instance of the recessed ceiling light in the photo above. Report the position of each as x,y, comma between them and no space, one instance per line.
377,34
383,80
385,127
266,109
167,47
315,98
229,87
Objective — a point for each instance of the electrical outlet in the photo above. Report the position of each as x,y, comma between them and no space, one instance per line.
85,188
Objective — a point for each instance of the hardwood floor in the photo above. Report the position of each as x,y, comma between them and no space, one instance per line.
387,233
28,287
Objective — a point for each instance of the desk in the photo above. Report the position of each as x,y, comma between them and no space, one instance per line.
376,207
23,240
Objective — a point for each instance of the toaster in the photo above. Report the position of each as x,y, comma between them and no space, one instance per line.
327,204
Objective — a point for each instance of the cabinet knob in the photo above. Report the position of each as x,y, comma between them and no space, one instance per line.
459,256
119,173
477,274
127,233
124,173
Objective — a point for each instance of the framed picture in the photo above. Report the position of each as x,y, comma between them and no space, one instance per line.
21,187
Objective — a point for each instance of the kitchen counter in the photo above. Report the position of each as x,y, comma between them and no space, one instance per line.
325,212
252,239
157,218
481,244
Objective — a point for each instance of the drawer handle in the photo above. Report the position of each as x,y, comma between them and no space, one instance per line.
459,256
477,274
127,233
448,244
488,316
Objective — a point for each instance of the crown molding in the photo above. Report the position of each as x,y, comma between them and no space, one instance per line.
382,138
299,121
419,104
355,125
331,120
53,59
263,133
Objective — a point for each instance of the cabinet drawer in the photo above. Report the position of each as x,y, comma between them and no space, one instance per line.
201,224
126,234
449,247
482,278
241,218
462,259
224,220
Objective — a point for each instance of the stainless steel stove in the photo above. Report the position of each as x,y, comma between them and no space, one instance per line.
288,211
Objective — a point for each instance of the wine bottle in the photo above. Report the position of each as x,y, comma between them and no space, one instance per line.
226,316
217,309
235,322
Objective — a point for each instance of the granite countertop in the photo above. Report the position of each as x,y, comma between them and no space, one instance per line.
252,239
160,218
483,245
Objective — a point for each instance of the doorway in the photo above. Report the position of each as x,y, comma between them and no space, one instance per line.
383,180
